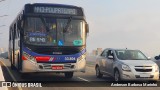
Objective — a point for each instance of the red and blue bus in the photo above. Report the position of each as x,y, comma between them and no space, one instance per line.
48,38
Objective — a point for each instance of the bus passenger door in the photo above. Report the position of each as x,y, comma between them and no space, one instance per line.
16,50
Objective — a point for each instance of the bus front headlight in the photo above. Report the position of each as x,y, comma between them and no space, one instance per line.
81,58
81,63
26,56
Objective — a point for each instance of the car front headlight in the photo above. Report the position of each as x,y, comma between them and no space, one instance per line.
126,68
156,68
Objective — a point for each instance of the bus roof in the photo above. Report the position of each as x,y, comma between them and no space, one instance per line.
49,8
53,4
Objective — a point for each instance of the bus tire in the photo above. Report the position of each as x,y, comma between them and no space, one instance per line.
68,74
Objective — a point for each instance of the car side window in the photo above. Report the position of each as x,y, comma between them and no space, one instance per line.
110,53
104,53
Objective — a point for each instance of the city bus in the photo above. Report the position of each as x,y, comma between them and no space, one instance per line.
48,38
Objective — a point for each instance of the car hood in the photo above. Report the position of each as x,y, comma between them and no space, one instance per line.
138,62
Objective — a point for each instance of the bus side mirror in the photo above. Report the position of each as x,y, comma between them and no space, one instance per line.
87,28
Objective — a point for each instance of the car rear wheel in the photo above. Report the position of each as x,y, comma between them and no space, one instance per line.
98,73
117,76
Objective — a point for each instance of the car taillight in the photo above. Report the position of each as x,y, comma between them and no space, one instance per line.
41,58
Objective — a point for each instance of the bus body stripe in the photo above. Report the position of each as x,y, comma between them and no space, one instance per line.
55,58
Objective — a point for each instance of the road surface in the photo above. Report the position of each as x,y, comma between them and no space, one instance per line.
53,81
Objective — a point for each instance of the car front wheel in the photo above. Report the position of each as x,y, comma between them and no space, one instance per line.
98,73
117,76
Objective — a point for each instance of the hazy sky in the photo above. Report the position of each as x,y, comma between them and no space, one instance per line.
134,24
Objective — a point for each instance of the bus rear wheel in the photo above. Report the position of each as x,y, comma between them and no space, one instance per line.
68,74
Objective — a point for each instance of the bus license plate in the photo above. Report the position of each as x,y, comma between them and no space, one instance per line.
57,67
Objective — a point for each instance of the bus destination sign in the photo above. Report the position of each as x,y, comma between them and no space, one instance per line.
55,10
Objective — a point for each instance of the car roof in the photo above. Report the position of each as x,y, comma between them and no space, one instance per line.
118,49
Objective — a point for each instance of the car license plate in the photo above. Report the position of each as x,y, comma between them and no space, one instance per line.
144,75
57,67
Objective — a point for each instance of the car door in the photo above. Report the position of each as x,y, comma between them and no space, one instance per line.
102,61
109,62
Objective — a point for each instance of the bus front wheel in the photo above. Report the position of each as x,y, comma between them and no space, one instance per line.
68,74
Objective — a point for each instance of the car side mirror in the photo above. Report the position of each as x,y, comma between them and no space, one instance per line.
149,58
110,57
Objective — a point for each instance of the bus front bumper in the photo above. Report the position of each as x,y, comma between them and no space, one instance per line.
30,66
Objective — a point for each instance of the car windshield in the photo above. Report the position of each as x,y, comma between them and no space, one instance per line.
53,32
130,55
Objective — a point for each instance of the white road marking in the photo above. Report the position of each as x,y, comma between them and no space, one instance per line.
83,79
19,88
2,79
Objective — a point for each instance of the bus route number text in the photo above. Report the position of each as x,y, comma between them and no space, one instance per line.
70,58
37,39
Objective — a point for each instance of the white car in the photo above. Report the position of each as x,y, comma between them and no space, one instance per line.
157,61
124,64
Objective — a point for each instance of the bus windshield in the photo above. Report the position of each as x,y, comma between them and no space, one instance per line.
53,32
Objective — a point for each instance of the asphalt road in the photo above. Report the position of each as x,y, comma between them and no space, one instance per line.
53,81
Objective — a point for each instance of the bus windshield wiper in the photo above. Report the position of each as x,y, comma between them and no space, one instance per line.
44,23
67,26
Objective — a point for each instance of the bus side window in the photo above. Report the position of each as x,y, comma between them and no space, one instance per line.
18,33
14,32
10,35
